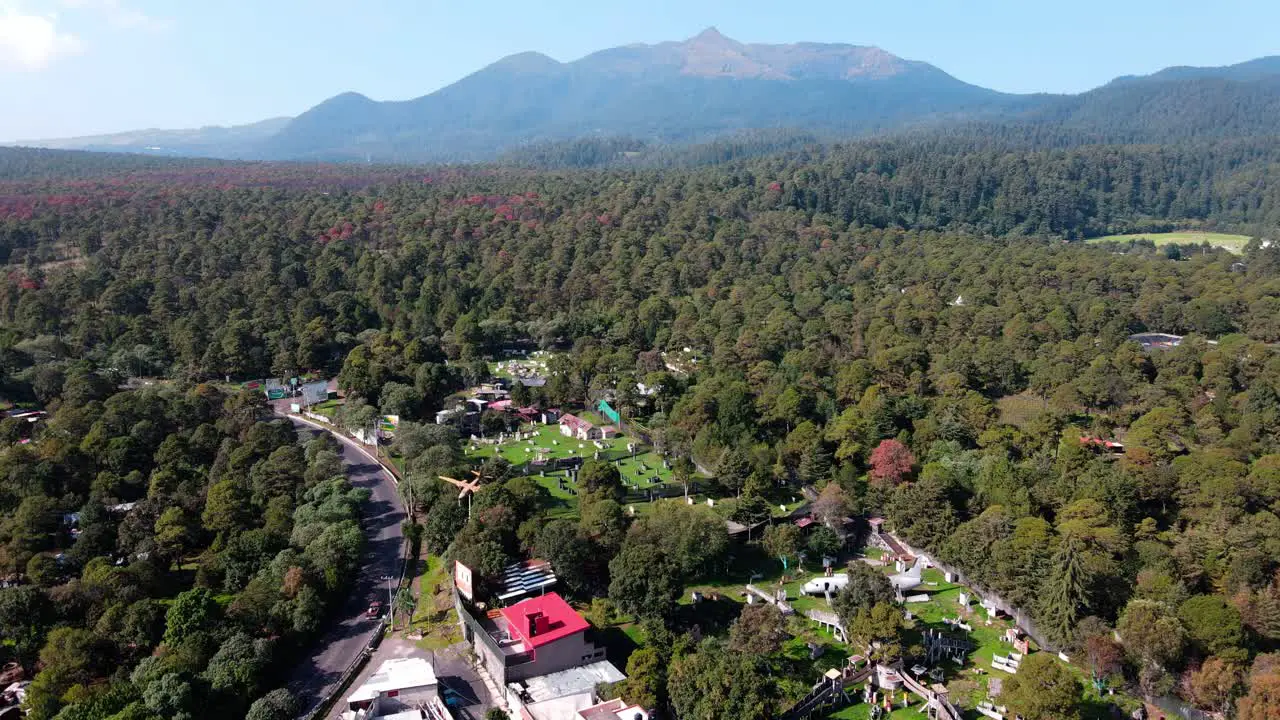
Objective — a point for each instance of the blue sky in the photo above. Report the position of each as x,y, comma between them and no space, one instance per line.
71,67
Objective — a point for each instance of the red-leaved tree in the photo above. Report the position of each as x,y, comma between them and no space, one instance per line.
891,462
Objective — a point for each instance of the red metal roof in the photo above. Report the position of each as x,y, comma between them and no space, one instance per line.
562,620
574,422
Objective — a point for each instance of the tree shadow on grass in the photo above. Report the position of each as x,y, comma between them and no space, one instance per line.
711,617
618,646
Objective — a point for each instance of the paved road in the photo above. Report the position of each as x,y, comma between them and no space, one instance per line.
350,631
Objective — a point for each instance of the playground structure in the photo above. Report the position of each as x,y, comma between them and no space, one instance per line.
939,647
886,689
947,647
1007,663
829,621
778,600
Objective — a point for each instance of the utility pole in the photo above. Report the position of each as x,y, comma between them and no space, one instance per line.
391,601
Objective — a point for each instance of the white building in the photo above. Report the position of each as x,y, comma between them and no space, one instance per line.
402,688
573,426
563,694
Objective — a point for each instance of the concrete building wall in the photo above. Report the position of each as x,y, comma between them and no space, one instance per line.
565,653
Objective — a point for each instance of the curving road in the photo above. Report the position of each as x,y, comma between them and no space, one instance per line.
318,674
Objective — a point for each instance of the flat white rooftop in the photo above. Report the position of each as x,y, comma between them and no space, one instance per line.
572,681
394,675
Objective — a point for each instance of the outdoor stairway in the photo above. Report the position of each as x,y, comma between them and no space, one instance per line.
828,620
942,709
821,701
782,605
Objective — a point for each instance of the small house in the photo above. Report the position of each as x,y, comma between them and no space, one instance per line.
575,427
400,685
532,638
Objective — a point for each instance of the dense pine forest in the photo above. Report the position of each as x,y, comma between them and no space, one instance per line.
910,326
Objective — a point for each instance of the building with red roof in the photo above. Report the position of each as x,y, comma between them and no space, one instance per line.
575,427
1110,446
534,637
543,620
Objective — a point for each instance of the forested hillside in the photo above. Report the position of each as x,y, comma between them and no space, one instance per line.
203,544
903,322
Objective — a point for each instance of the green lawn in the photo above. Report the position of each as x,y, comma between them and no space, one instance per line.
640,472
726,506
1231,243
1020,409
968,687
328,408
434,615
863,712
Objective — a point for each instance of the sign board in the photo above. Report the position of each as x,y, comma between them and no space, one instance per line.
387,425
462,580
315,392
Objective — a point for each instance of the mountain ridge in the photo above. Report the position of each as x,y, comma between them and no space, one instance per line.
707,86
168,141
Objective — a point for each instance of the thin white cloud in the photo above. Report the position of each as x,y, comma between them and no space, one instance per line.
118,15
29,42
31,39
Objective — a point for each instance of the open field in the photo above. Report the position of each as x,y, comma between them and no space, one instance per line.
1230,243
508,368
641,472
1020,409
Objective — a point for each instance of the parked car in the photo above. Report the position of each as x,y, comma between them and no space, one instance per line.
375,609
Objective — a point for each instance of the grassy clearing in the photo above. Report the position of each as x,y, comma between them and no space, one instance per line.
641,471
726,506
968,683
863,712
328,408
434,615
1018,410
535,363
1228,242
